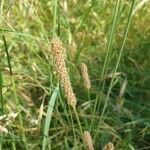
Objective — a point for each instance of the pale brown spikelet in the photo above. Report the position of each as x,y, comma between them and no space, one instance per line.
109,146
85,76
61,69
88,140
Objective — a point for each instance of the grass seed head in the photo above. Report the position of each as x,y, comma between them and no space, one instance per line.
61,69
88,140
85,76
109,146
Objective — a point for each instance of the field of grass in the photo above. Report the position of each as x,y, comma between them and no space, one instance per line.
106,51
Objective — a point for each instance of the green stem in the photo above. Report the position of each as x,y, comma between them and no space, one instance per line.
79,123
78,120
1,94
55,4
106,58
118,61
15,93
74,134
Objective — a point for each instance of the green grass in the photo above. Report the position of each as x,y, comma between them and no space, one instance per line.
112,38
48,117
1,94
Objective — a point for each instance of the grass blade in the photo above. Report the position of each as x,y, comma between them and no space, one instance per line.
15,93
114,21
118,61
1,95
119,57
49,116
55,4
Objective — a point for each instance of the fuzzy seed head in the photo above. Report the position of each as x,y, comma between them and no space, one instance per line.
61,69
85,76
88,140
109,146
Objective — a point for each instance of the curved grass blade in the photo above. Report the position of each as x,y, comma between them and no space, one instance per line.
49,116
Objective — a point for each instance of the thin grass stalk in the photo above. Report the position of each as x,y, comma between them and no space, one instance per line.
7,54
120,54
19,112
15,94
65,109
118,61
42,27
13,143
1,94
59,13
73,127
70,120
89,95
109,47
55,9
107,56
1,142
79,124
78,120
1,10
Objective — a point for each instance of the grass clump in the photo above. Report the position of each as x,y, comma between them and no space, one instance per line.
111,38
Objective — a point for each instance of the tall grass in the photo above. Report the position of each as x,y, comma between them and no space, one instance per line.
105,65
119,57
15,94
35,86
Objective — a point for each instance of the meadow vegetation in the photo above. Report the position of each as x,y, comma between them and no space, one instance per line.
106,51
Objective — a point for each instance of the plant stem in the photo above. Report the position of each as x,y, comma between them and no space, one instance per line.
106,59
15,93
117,64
